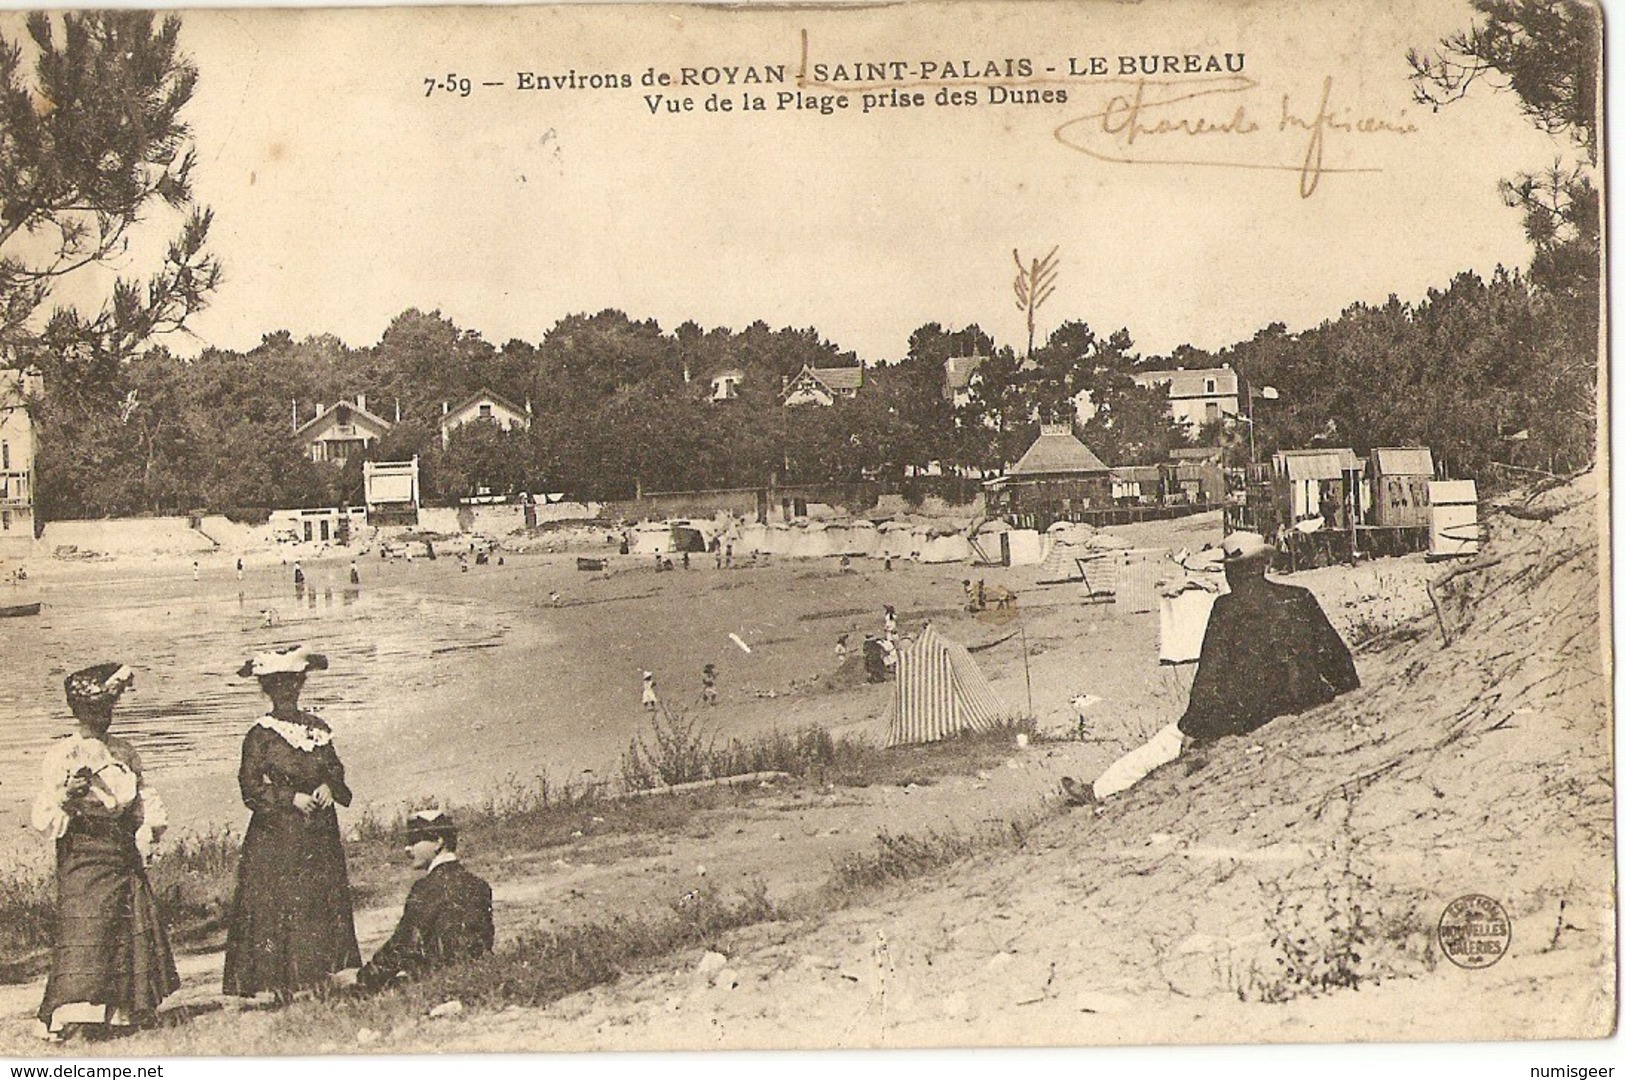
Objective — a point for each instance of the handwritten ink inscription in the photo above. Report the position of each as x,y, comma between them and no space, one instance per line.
1226,122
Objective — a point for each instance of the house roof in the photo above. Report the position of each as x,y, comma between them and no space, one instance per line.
1140,474
1327,464
329,414
727,373
839,378
1403,460
1192,382
1057,450
959,370
833,379
483,395
1194,453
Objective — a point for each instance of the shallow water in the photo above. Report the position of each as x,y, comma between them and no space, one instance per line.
186,639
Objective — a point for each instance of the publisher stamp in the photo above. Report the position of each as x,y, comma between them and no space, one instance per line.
1474,931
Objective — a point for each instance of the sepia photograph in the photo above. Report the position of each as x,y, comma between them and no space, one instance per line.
941,524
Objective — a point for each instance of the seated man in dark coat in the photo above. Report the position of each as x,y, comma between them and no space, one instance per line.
448,911
1269,650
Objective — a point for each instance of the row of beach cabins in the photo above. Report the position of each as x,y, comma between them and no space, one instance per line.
1320,505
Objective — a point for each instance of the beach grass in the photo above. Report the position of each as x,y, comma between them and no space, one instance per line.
535,969
542,967
195,875
27,915
900,857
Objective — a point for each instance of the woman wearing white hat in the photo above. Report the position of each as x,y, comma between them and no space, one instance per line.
291,918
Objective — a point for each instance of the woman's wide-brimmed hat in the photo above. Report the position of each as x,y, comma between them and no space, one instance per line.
98,684
294,660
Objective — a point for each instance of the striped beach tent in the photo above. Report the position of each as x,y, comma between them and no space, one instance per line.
940,692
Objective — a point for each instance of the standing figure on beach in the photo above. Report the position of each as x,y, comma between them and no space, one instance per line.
197,571
708,684
651,701
891,623
291,920
298,576
355,573
874,659
110,962
239,569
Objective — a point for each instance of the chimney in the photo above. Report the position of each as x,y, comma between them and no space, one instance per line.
445,408
361,402
397,410
296,414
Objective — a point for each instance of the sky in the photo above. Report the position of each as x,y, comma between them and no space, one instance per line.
343,194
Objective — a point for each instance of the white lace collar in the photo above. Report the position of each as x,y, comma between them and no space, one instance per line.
299,736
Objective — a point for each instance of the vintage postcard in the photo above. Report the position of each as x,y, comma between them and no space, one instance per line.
653,527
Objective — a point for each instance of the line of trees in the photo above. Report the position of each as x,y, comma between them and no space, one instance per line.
92,142
618,404
1482,371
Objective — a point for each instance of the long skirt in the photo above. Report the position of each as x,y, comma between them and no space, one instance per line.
291,921
110,955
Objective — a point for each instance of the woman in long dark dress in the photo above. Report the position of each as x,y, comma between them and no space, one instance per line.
291,920
111,965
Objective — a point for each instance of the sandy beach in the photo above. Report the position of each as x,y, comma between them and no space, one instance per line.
449,682
456,683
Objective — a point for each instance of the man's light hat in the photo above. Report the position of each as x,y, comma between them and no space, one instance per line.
1242,544
293,660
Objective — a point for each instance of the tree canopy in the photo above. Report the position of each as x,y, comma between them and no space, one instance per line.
90,138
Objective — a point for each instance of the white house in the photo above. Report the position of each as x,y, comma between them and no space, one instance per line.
822,386
486,407
18,388
957,373
342,431
725,384
1199,395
